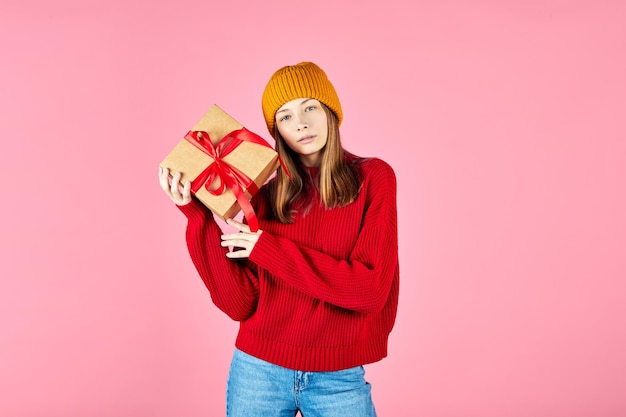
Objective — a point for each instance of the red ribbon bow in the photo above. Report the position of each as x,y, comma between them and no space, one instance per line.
229,176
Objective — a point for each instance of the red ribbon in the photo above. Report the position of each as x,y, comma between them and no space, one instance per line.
229,176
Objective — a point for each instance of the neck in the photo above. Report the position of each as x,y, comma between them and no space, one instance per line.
310,161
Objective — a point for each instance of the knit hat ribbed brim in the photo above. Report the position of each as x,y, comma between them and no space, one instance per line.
303,80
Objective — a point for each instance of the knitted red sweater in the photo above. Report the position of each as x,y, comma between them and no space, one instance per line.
320,294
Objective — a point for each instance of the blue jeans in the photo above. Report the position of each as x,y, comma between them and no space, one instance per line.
259,388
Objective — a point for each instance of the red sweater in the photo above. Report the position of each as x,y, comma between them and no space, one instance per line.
320,294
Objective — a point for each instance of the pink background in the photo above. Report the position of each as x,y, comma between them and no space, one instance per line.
505,123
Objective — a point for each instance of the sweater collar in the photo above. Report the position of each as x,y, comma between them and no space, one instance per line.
313,171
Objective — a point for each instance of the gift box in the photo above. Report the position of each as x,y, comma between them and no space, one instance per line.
225,163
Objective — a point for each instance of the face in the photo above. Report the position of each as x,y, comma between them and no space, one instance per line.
303,125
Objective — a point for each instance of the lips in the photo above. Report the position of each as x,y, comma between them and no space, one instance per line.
306,139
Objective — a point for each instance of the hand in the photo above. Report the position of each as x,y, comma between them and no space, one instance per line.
173,190
245,240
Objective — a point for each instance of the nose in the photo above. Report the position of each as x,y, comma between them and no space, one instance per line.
302,124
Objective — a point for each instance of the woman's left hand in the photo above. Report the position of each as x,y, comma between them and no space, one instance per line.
245,240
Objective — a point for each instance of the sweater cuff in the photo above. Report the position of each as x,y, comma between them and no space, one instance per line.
195,211
265,251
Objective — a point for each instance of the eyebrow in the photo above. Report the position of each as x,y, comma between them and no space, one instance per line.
303,101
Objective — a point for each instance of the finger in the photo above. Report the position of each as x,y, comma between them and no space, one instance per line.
238,254
175,183
164,179
187,191
243,227
248,237
237,243
231,236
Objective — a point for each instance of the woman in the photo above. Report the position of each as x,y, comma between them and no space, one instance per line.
315,289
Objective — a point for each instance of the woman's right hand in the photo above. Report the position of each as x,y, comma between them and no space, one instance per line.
173,189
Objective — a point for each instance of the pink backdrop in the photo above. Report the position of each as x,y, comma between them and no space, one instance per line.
505,123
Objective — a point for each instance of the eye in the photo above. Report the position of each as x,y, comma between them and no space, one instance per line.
309,108
284,118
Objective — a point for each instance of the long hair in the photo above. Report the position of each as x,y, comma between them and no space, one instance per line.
338,181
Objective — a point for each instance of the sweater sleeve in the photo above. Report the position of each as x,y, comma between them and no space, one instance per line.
362,281
233,284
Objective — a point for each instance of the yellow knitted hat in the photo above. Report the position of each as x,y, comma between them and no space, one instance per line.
303,80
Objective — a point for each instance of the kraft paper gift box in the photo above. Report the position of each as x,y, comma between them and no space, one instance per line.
256,161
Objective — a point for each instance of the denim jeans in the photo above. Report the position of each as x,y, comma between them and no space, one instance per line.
259,388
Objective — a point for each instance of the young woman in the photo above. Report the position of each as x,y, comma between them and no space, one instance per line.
316,288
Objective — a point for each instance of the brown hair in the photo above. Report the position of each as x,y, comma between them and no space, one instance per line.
339,183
